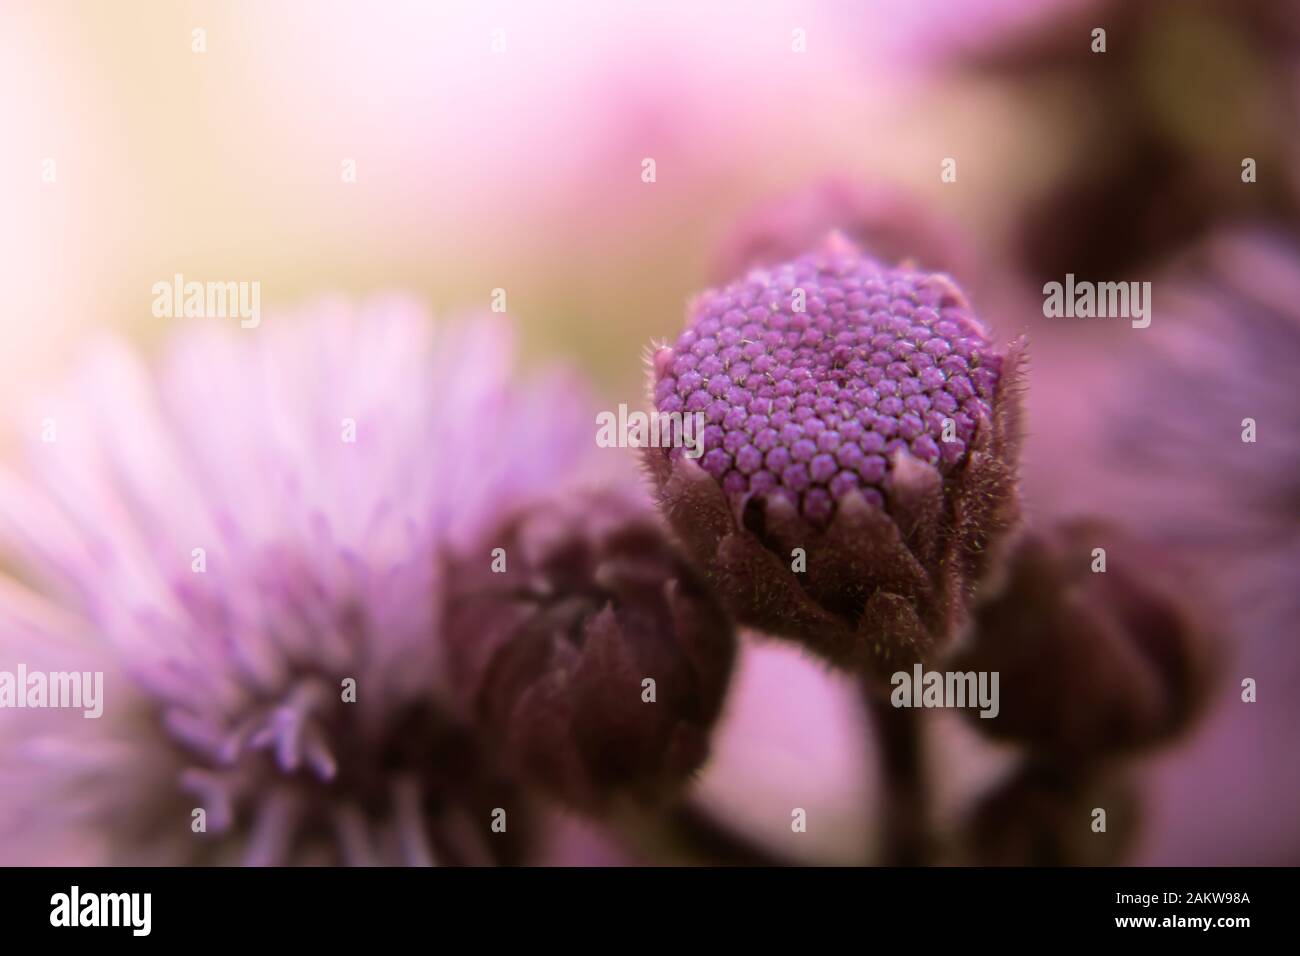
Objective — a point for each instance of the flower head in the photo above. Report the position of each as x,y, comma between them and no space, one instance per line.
858,413
247,539
812,376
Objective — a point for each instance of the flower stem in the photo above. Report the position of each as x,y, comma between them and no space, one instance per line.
691,834
907,840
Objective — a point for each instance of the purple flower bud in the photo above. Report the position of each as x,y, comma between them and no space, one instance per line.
897,513
1092,663
597,660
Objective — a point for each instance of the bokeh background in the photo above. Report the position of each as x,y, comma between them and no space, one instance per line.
521,170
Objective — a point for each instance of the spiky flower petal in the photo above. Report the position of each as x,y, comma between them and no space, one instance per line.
247,540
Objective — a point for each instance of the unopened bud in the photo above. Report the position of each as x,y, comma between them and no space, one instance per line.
1092,663
552,657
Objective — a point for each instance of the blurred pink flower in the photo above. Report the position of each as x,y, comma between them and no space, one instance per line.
320,562
1226,354
1151,437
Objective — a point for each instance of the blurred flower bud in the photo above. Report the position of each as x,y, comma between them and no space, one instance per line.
883,221
1098,643
857,468
1045,816
594,657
